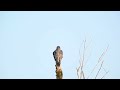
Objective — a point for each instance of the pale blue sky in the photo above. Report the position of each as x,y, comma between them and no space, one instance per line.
27,40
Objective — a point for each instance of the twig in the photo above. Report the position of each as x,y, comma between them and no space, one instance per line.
99,70
83,75
82,61
87,60
84,52
104,69
78,71
104,75
99,61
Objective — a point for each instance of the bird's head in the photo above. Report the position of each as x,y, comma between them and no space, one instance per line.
58,47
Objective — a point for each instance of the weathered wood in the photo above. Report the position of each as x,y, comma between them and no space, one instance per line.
59,73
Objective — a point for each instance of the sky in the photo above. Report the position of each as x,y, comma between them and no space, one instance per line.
28,39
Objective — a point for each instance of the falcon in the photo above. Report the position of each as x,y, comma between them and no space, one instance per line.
58,55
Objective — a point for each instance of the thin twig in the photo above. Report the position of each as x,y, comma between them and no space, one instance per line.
83,61
99,70
88,56
93,69
83,75
84,52
80,74
104,69
80,62
99,61
104,75
87,60
103,54
78,71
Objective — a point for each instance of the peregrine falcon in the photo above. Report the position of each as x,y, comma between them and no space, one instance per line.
58,55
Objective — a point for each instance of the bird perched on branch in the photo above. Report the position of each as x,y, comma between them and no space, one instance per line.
58,55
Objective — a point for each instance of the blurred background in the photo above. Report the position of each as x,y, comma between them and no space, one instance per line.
28,39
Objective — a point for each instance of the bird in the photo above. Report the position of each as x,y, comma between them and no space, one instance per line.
58,55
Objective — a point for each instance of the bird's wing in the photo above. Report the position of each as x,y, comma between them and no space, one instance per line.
61,52
54,55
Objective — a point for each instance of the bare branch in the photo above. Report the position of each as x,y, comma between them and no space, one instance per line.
99,70
99,61
80,74
103,54
84,52
83,75
77,72
87,60
83,60
104,75
78,69
104,69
